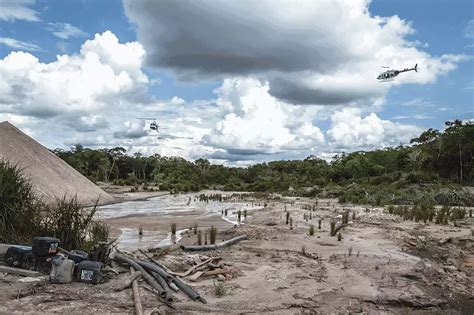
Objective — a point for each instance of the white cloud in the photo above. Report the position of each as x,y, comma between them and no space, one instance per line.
469,30
84,83
257,123
18,44
316,52
11,10
349,131
66,30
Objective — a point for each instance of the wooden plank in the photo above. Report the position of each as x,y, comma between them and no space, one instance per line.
195,276
215,272
21,272
136,293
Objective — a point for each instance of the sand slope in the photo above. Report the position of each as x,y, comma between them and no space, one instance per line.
51,177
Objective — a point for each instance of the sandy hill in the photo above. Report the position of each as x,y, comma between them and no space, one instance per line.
50,176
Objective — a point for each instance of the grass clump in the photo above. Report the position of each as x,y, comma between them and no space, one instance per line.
220,289
311,230
23,216
19,209
72,224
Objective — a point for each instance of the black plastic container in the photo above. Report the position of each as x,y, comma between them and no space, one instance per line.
44,247
78,255
19,256
89,271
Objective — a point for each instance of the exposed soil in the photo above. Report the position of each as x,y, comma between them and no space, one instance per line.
382,264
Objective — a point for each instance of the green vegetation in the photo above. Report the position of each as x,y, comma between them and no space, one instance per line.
23,216
19,209
73,225
435,166
219,289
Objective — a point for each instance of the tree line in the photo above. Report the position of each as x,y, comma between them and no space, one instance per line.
434,159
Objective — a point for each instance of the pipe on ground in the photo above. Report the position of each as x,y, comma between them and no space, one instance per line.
232,241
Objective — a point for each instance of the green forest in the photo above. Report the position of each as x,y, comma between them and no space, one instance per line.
436,166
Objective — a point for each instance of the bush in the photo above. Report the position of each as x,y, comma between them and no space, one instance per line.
72,224
19,210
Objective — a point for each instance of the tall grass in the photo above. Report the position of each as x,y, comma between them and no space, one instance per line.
73,225
23,216
19,209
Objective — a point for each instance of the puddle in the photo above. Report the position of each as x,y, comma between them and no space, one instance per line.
167,205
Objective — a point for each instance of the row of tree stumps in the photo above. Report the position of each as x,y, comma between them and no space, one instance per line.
334,229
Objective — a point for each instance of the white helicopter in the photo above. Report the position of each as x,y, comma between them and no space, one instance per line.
390,74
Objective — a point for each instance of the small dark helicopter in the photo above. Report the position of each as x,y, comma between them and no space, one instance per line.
153,125
390,74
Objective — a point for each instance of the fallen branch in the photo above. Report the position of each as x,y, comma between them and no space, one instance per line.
136,294
338,228
214,246
216,272
190,270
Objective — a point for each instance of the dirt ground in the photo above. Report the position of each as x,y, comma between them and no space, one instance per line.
381,265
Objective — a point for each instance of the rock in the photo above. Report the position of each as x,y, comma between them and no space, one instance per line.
445,240
228,277
220,278
450,268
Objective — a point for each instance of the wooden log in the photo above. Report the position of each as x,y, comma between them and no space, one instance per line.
190,270
136,293
216,272
195,276
21,272
215,246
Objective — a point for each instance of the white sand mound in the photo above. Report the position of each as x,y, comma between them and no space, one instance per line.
51,177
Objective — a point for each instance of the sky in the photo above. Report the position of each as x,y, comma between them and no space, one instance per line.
236,82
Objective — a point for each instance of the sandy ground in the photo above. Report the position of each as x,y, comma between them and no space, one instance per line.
381,265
